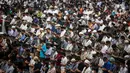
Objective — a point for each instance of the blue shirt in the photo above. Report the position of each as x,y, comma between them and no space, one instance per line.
23,37
107,65
42,51
113,67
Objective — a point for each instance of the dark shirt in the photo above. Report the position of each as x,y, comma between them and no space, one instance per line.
37,66
80,67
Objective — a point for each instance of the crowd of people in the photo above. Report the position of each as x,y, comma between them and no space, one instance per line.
65,36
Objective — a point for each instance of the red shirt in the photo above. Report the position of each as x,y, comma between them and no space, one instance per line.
129,23
58,58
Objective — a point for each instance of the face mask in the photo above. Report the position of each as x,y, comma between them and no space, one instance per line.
49,66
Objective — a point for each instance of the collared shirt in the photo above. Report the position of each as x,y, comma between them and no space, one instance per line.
49,51
23,27
107,66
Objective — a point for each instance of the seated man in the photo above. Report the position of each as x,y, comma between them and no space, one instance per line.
107,65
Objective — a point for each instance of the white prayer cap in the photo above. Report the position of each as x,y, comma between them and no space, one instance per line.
73,60
13,26
57,25
87,2
82,17
51,7
124,22
36,58
15,16
127,56
55,7
65,17
87,61
48,20
94,31
74,14
96,15
99,17
45,11
126,41
41,28
82,49
89,30
81,33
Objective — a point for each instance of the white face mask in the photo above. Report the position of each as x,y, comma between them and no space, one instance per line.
49,66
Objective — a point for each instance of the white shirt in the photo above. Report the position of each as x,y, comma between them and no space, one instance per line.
48,19
49,51
87,43
38,33
13,21
64,61
32,62
88,70
102,27
48,26
105,38
87,12
127,48
62,33
23,27
99,21
69,47
56,12
123,70
28,18
101,62
84,55
71,34
10,32
32,30
104,49
50,11
53,70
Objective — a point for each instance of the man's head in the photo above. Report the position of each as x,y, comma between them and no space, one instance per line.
105,59
87,63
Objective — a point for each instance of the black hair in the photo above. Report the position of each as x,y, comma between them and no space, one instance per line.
105,59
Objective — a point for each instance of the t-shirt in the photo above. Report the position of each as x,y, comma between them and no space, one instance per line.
107,65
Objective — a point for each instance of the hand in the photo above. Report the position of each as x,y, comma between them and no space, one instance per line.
104,69
109,71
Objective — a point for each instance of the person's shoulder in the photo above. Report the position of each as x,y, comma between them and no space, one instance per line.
109,63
